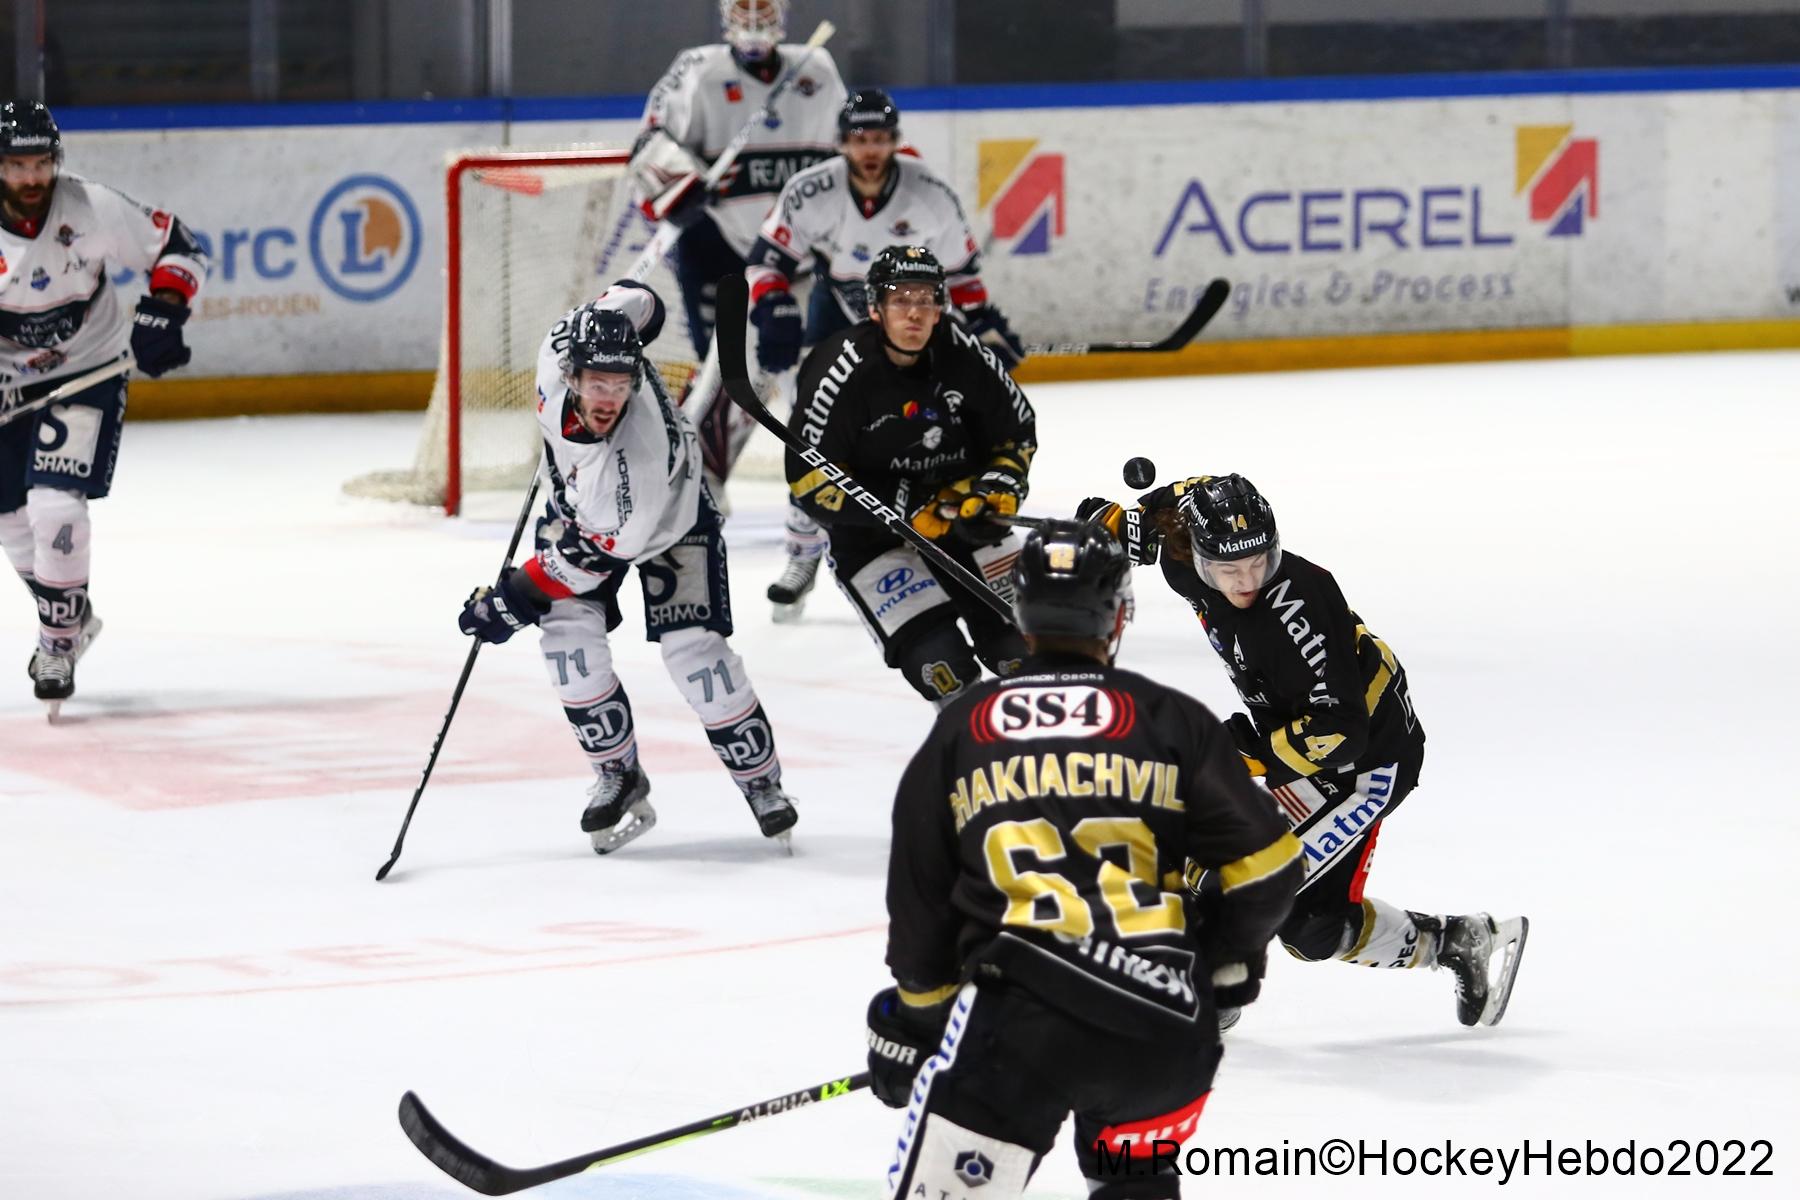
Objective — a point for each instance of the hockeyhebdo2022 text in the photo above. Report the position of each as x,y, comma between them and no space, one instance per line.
1528,1159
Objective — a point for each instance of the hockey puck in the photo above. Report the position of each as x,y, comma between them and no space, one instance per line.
1140,472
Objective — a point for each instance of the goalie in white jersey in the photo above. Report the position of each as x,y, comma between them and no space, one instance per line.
707,96
62,316
841,214
626,491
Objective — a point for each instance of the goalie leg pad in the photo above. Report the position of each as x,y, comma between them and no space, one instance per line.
572,637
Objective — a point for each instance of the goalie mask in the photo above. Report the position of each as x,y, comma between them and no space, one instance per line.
753,28
1230,522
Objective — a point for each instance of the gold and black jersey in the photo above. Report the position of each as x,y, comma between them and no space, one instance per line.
1324,693
904,432
1041,831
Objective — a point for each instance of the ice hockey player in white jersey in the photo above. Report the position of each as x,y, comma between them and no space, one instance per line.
842,213
701,103
62,315
626,491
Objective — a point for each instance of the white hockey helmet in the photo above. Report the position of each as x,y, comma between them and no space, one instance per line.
754,28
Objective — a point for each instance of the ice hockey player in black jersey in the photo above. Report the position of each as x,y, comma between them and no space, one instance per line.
924,416
1043,955
1331,728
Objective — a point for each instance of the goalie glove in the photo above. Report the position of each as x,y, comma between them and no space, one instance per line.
495,614
668,178
1141,539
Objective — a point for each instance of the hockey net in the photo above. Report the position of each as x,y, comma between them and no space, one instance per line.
530,235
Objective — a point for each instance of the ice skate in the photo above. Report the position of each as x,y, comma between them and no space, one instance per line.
618,810
55,680
788,592
90,629
1467,948
774,811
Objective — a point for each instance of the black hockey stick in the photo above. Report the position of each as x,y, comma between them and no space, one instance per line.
456,696
480,1173
733,308
1210,302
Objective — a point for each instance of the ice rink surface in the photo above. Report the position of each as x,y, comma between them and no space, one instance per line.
205,996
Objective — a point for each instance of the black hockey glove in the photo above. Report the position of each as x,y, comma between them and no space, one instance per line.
777,320
1142,540
1169,494
901,1037
495,614
156,336
994,496
989,327
1249,743
1238,983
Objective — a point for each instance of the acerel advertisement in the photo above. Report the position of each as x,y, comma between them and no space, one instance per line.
1330,219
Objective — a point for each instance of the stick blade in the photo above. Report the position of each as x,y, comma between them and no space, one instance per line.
1211,301
468,1167
385,868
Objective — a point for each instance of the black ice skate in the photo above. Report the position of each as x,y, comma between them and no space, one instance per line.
618,810
91,626
773,809
1467,947
788,593
55,680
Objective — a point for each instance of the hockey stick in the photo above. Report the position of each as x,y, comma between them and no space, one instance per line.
663,240
462,681
1211,301
728,336
80,383
480,1173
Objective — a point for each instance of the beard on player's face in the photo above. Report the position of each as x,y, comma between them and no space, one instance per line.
26,184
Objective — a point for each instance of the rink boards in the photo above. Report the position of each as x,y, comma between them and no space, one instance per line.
1369,221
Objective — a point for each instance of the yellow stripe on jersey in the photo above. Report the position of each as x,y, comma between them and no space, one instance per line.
809,483
1384,674
927,999
1264,863
1284,750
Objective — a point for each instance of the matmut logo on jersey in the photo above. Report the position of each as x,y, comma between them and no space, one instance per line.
1025,190
1026,713
1561,174
365,238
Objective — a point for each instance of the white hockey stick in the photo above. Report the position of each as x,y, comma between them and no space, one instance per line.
664,239
80,383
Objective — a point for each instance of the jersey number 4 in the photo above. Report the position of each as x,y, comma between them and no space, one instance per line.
1039,899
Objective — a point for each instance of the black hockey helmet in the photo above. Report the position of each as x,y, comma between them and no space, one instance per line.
1070,581
604,339
26,127
868,108
1228,520
904,264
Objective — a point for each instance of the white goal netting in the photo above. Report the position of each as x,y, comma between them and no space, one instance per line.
530,235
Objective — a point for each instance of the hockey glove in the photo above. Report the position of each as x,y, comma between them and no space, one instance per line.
937,516
495,614
777,320
156,336
901,1037
1169,495
989,327
1142,540
995,494
1243,733
1236,984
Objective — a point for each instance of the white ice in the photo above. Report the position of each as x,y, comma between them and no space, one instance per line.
1587,568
